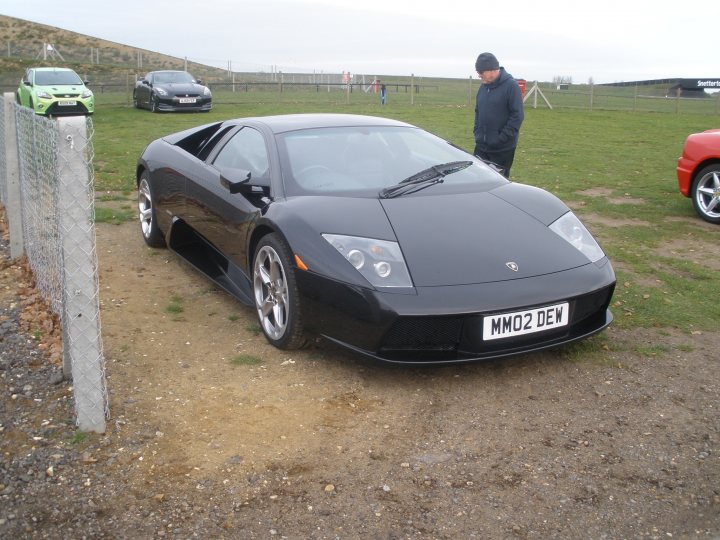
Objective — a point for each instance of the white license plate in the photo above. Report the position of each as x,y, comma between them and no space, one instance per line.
67,103
188,100
530,321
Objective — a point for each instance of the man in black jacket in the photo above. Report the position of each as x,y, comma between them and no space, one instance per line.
499,112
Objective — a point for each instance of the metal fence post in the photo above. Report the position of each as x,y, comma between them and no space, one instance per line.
11,193
80,283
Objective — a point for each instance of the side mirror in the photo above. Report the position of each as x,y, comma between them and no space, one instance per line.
235,180
27,83
199,81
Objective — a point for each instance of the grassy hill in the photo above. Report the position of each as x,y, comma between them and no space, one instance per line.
91,57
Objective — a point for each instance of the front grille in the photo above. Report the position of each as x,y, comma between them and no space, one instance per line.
426,333
66,95
57,110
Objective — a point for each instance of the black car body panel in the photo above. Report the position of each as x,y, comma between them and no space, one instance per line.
472,251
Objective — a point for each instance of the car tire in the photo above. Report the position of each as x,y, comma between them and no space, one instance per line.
135,101
276,295
705,193
146,211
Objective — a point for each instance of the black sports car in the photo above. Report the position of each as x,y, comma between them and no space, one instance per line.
161,91
375,234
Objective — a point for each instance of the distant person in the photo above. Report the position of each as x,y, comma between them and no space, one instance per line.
383,94
499,113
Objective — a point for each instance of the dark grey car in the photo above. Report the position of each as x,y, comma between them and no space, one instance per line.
375,235
168,91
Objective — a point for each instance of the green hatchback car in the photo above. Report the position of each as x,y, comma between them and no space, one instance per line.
53,91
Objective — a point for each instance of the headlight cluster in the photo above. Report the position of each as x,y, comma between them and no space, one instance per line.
206,91
571,229
44,95
380,261
87,94
160,91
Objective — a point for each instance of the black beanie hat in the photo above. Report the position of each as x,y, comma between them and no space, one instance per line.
486,61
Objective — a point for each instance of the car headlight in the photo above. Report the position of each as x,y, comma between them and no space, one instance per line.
571,229
87,94
207,91
44,95
380,261
160,91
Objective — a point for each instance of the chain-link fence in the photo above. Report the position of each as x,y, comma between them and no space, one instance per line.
3,157
56,195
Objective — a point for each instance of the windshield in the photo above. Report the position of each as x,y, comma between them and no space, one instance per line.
51,78
172,77
362,161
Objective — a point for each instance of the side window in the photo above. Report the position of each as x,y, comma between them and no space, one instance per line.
29,75
246,150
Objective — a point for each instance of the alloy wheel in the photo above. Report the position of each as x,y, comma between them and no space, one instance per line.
271,293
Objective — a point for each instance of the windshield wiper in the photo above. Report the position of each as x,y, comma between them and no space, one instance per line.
427,177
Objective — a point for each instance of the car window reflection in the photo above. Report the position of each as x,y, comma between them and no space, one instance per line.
245,150
338,160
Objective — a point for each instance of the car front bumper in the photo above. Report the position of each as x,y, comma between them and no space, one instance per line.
174,104
685,169
65,107
444,325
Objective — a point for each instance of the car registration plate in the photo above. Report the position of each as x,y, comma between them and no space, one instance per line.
188,100
529,321
67,103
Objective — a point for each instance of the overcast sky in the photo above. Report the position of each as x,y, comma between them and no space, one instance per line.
607,41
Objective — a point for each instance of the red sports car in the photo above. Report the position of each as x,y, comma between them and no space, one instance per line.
698,173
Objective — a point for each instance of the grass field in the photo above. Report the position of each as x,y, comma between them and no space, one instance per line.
616,169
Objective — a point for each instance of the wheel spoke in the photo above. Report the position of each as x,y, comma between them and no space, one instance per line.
267,305
275,269
712,204
279,314
705,190
264,275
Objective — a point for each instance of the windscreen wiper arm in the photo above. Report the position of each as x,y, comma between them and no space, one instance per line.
427,177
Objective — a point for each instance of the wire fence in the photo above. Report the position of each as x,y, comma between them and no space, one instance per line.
116,86
56,209
3,157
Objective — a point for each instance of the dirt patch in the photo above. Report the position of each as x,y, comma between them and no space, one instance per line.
617,443
606,193
605,221
597,192
693,247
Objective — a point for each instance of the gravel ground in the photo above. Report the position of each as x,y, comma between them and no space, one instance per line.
318,445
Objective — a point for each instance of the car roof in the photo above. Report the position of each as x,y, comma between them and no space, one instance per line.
292,122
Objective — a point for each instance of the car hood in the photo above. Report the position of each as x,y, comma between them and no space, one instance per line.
454,239
484,237
182,88
61,87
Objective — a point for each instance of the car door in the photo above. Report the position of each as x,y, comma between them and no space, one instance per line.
223,218
142,91
25,88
